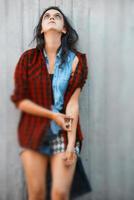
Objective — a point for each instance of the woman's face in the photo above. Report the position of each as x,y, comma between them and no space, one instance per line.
53,20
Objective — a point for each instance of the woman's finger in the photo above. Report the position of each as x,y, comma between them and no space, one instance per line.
64,157
69,162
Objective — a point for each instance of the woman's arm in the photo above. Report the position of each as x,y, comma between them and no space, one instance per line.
30,107
72,110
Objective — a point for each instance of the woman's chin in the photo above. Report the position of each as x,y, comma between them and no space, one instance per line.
53,29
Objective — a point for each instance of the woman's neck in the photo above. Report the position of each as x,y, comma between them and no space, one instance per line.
52,42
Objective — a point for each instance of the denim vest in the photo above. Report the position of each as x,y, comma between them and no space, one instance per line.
59,84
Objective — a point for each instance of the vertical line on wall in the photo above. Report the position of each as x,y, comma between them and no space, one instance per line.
22,27
72,5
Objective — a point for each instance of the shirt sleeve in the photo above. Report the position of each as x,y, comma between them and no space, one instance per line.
84,72
20,80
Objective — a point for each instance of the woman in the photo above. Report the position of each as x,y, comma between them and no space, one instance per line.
48,81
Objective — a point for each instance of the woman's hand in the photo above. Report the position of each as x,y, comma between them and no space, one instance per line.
64,121
69,158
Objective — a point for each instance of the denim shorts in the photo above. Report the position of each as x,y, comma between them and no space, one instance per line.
52,144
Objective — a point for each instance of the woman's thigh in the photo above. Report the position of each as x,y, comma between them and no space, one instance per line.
35,168
62,175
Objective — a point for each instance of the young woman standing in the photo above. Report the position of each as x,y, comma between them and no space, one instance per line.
48,81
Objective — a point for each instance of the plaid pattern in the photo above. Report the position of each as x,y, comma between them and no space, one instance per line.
32,81
57,145
54,146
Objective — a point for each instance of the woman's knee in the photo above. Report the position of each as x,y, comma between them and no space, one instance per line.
36,190
36,193
59,194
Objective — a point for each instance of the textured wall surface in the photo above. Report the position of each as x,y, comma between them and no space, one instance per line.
106,31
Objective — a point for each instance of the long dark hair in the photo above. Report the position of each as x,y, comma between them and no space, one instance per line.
68,40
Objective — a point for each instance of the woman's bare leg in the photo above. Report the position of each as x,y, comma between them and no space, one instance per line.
62,177
35,168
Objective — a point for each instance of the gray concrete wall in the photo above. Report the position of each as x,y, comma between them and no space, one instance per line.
106,30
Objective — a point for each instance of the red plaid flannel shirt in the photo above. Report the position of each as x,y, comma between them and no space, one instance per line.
32,82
